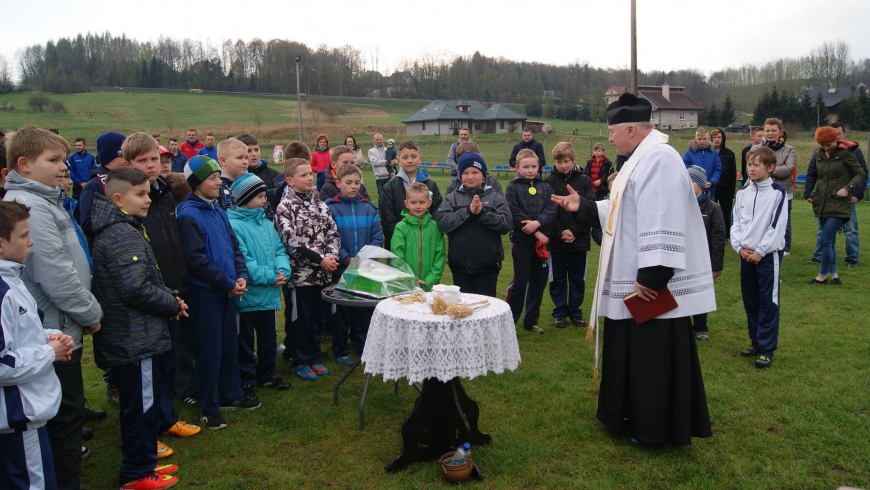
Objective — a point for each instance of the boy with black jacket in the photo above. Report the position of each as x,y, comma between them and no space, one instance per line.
260,167
569,240
137,304
724,194
474,217
714,225
392,199
532,212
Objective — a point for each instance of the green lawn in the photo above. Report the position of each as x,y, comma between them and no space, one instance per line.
801,424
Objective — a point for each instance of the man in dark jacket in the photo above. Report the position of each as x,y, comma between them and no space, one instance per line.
529,143
179,159
727,185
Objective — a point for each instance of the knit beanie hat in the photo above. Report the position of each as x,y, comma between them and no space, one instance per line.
825,135
698,176
198,168
109,146
247,187
472,159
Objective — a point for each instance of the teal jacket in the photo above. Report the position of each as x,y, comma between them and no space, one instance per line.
265,257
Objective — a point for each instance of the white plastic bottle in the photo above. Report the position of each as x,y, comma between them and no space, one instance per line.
462,454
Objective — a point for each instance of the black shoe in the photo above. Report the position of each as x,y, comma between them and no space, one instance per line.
851,263
213,422
816,281
277,384
750,351
814,261
560,322
249,391
836,281
578,322
243,403
762,361
87,434
91,414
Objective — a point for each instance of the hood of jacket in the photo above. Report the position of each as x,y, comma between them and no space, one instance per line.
105,213
724,138
256,215
422,176
407,217
15,181
159,188
693,146
196,202
262,162
98,170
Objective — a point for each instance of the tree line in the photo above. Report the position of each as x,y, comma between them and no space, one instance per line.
576,90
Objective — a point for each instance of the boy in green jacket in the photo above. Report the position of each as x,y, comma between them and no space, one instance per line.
417,239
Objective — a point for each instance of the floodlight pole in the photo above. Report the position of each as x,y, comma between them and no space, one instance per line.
633,87
299,97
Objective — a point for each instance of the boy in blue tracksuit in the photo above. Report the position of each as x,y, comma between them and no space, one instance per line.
758,235
216,274
268,269
31,389
358,226
702,154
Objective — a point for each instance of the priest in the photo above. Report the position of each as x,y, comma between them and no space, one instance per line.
653,238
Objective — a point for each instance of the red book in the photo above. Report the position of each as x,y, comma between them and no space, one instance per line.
642,311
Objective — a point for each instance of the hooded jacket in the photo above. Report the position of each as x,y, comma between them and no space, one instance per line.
31,394
475,239
306,228
329,190
80,166
358,225
392,200
56,272
829,175
419,242
490,180
525,205
211,250
812,171
706,158
96,185
728,161
564,219
265,256
165,239
128,285
714,224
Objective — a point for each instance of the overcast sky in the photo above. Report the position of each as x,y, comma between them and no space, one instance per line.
672,34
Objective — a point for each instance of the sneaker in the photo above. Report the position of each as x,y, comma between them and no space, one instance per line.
91,414
344,361
213,422
248,391
762,361
786,254
536,329
560,322
190,400
163,451
319,369
183,429
244,403
814,261
750,351
113,395
578,322
85,452
304,372
165,469
153,481
702,336
277,384
851,263
279,349
87,434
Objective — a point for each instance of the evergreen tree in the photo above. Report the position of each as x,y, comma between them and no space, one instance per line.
850,113
821,110
533,107
711,116
727,115
549,108
807,112
864,102
156,78
144,78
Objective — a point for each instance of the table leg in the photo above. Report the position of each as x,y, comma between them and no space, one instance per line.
341,380
362,402
470,413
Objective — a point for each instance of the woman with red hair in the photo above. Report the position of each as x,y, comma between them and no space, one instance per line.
320,155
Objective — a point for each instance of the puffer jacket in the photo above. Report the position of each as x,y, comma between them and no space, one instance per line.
706,158
56,271
564,220
306,228
128,285
714,224
358,225
419,242
165,239
265,257
475,239
840,170
527,206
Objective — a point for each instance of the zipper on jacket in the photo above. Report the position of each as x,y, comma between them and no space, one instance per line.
420,248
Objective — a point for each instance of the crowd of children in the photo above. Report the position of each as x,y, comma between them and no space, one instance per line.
179,277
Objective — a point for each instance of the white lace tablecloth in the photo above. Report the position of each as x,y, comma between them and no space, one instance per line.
409,341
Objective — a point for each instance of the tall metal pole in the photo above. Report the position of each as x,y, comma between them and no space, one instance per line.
634,47
299,98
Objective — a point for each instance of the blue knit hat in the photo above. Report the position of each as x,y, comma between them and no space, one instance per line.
698,176
247,187
472,159
109,146
198,168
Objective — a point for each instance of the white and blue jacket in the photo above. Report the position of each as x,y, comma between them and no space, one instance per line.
29,388
760,217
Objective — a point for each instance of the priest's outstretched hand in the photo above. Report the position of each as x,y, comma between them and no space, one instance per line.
571,202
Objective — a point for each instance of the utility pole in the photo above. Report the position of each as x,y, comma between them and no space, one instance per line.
634,47
299,97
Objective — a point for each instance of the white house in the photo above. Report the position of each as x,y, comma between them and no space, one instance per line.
442,116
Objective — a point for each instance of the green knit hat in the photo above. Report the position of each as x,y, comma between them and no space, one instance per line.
198,168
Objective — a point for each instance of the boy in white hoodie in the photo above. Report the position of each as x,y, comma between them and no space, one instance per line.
758,235
31,390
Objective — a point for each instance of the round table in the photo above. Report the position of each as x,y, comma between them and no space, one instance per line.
409,341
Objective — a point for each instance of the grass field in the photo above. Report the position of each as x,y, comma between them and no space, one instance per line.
801,424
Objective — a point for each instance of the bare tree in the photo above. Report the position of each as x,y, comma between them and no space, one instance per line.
830,62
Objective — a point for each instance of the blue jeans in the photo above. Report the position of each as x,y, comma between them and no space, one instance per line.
827,242
853,243
788,230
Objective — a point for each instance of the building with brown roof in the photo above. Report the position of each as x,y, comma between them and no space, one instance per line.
672,107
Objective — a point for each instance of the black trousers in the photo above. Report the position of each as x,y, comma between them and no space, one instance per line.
483,283
65,429
185,360
726,202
